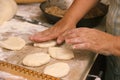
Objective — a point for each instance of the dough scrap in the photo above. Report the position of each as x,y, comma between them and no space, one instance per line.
36,59
46,44
13,43
59,69
61,53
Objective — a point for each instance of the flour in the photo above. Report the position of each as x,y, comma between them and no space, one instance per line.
4,55
19,27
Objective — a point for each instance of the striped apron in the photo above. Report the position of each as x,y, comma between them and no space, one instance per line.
113,27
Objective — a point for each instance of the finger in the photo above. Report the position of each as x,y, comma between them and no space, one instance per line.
76,40
46,37
42,36
82,46
61,37
78,30
86,46
72,35
39,34
76,33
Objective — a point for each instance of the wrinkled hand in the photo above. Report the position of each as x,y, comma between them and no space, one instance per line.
89,39
51,33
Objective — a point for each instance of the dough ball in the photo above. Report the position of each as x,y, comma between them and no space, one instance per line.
61,53
13,43
36,59
59,69
46,44
7,10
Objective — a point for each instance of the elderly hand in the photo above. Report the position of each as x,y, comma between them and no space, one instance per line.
89,39
52,33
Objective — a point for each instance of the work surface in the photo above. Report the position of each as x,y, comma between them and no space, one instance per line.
79,66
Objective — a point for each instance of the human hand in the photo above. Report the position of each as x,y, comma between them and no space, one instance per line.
89,39
53,32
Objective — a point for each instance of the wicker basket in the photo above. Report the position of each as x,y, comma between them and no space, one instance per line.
29,1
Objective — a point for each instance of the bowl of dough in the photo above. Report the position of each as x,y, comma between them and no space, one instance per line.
54,11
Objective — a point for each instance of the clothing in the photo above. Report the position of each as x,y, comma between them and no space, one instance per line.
113,27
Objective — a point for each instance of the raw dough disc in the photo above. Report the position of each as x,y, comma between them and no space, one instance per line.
13,43
61,53
36,59
59,69
46,44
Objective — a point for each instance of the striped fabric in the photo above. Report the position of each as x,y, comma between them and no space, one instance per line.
113,27
113,18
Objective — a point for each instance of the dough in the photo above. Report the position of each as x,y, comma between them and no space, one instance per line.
7,10
59,69
13,43
61,53
46,44
36,59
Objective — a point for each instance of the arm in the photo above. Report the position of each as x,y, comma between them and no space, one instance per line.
93,40
77,10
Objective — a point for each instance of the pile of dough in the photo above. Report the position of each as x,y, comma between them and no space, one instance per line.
13,43
36,59
8,9
59,69
46,44
61,53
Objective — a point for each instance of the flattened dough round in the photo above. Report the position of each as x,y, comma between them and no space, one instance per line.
13,43
36,59
46,44
61,53
59,69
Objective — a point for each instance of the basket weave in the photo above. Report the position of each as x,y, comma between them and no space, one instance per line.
29,1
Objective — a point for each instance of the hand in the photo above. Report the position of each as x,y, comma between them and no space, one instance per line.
52,33
89,39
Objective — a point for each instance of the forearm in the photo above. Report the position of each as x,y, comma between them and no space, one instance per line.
77,10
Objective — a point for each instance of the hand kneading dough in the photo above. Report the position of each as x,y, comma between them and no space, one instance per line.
13,43
59,69
61,53
36,59
46,44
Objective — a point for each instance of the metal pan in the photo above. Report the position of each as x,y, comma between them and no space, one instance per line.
85,22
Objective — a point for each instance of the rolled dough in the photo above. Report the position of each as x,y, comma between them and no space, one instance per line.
36,59
59,69
13,43
7,10
46,44
61,53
